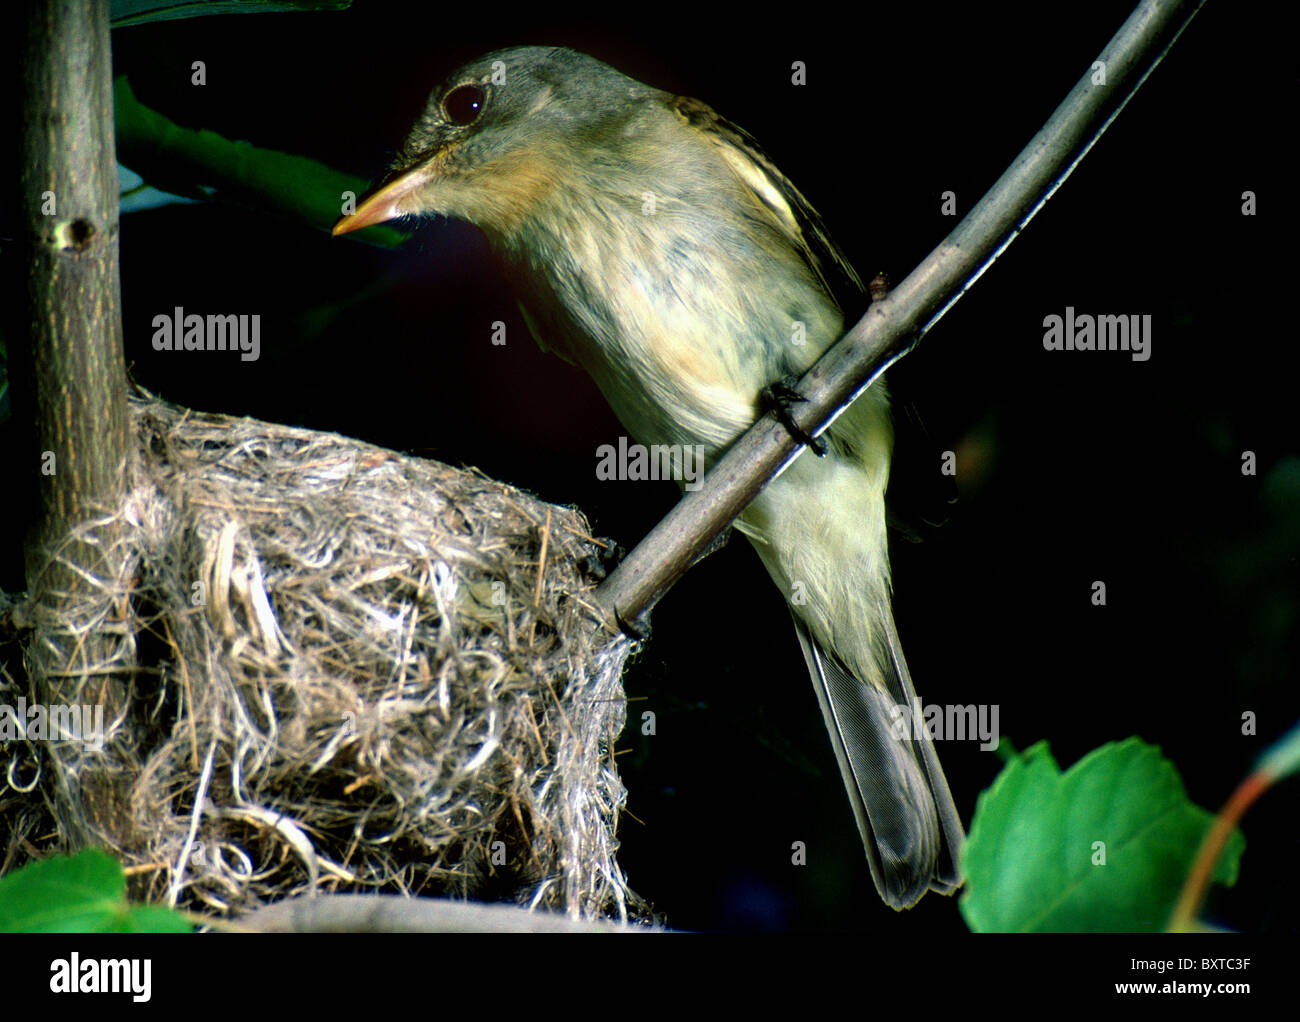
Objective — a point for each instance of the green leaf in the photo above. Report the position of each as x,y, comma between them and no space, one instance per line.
83,893
204,165
123,13
153,919
1033,862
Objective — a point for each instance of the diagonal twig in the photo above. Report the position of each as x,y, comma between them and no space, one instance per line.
892,327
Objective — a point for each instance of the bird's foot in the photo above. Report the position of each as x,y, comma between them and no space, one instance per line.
777,399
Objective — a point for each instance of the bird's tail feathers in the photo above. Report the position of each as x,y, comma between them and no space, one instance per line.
909,824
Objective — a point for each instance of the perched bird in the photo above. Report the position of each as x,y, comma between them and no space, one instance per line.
652,243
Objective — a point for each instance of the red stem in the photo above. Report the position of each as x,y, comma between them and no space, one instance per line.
1183,919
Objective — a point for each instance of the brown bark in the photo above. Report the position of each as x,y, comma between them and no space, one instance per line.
69,195
70,381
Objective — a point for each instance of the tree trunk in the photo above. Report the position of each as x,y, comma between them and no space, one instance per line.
70,382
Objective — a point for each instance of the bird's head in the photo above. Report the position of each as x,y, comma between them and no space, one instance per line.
501,134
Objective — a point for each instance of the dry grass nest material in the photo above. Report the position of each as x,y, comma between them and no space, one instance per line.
328,666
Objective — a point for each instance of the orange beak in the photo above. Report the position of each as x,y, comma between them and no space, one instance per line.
392,199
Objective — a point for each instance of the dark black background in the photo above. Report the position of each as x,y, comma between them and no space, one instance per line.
1074,467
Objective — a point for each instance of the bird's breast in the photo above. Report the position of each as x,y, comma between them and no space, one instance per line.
679,316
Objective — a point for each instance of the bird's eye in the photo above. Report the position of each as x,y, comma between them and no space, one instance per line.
463,104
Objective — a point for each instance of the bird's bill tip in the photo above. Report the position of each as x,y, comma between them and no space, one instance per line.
388,202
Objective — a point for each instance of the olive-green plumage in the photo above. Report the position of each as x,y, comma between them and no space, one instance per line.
652,243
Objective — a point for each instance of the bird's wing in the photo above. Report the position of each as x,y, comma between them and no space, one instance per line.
921,498
793,214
